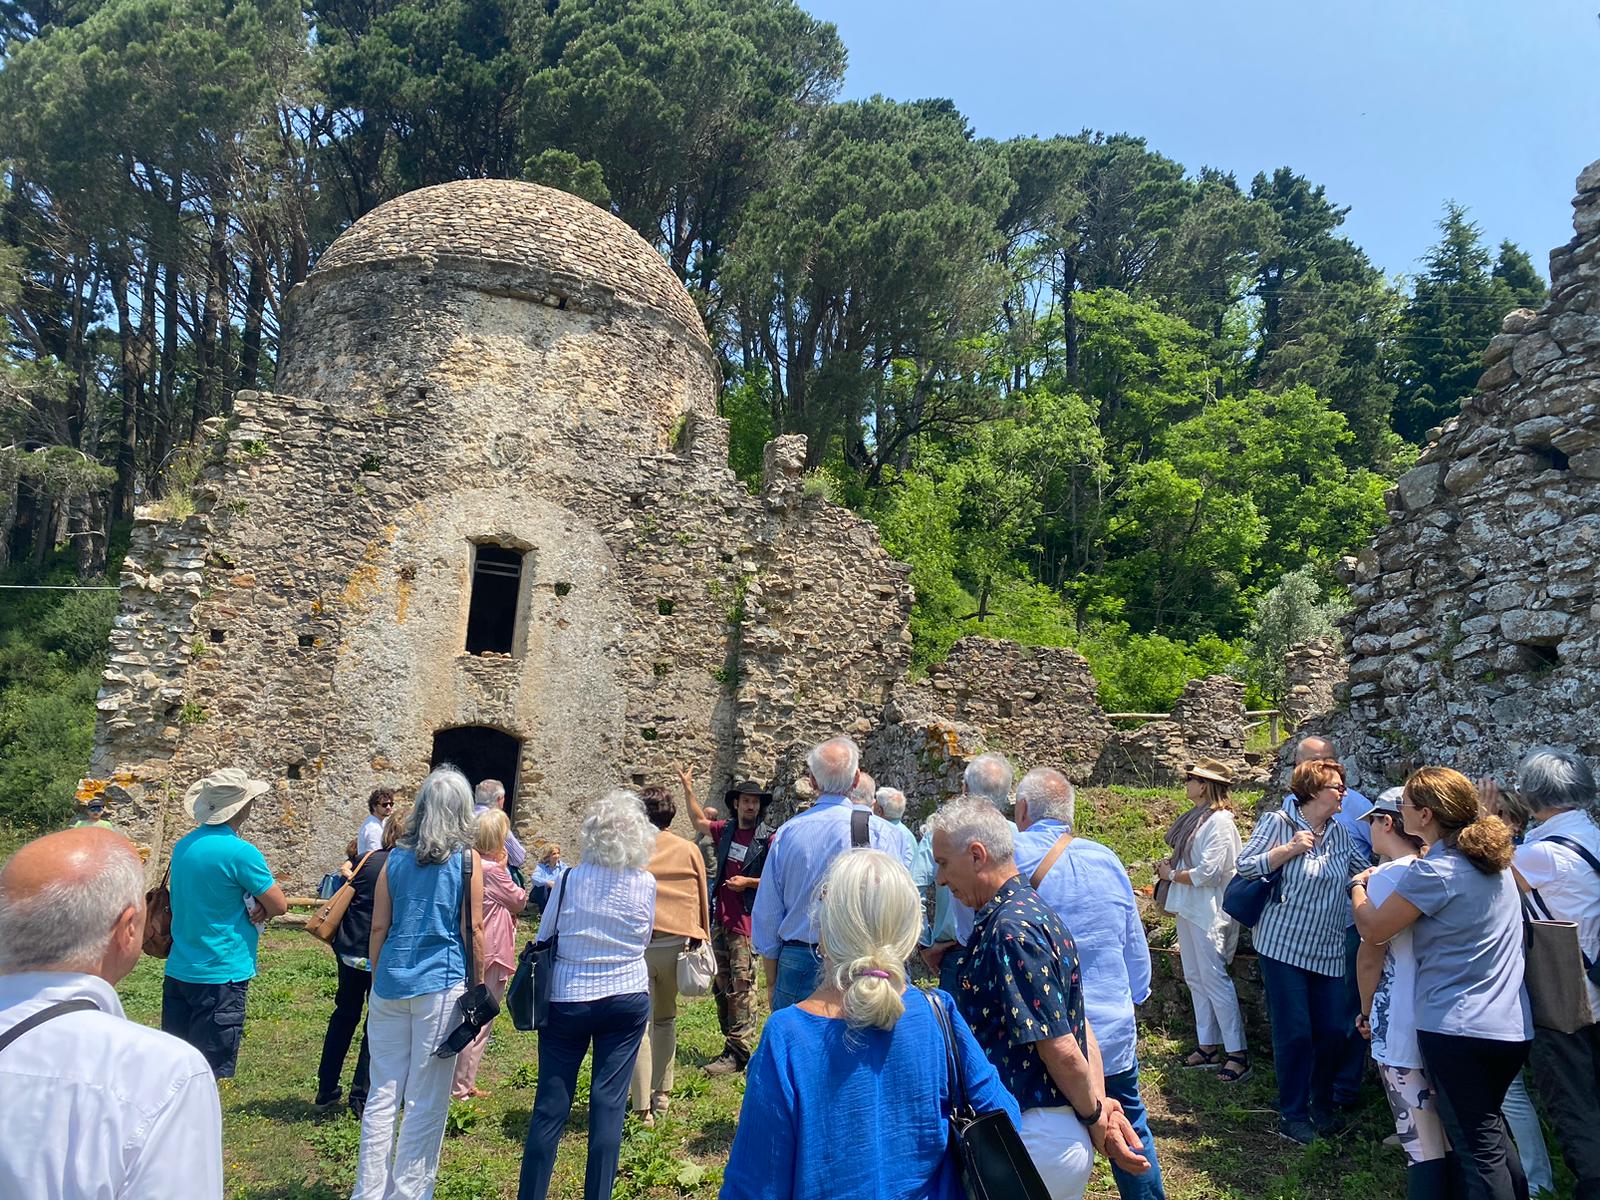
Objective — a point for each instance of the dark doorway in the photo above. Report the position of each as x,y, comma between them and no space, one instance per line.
496,588
480,753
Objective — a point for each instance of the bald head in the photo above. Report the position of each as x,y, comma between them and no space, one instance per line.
72,901
1314,749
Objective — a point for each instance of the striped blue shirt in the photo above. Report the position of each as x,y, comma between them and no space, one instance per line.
799,855
1305,926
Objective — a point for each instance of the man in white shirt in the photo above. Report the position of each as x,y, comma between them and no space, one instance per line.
96,1105
1559,866
890,804
379,805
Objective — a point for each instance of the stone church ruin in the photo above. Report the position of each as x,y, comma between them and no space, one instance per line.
486,517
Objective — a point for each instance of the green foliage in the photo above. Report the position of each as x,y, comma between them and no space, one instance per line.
744,402
1292,613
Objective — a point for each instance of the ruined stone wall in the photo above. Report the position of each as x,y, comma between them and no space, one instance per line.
1314,672
1476,628
1207,721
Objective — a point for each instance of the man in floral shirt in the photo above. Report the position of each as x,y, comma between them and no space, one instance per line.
1018,988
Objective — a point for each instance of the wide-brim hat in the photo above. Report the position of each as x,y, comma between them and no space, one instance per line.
1210,768
221,794
748,787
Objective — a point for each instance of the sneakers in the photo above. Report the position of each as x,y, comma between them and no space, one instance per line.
726,1065
326,1100
1302,1133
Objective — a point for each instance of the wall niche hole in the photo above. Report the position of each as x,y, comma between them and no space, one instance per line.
665,606
219,636
1540,659
648,733
1549,458
496,588
563,588
307,640
295,770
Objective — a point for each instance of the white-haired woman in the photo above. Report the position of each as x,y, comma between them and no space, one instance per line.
423,955
603,910
860,1043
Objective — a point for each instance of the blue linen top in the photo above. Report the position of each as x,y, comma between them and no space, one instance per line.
213,938
1019,984
423,951
1088,888
799,855
855,1114
1468,944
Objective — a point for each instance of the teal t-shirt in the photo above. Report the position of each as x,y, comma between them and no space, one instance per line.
213,938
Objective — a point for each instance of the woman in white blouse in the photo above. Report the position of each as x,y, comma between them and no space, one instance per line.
602,912
1205,848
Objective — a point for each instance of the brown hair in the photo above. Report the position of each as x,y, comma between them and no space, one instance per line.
658,806
1453,800
378,795
393,828
1309,778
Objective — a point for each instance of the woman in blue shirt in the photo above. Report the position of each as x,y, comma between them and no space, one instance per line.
860,1043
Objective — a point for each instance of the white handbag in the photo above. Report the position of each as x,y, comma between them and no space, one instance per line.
697,967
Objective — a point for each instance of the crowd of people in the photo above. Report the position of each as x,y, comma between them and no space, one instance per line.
1389,930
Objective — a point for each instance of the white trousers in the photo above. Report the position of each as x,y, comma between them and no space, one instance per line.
411,1088
1217,1018
1061,1148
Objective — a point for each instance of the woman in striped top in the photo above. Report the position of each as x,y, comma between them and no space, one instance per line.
601,912
1300,940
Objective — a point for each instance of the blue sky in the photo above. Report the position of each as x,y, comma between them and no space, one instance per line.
1394,106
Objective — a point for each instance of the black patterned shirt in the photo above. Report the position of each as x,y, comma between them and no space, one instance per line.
1018,984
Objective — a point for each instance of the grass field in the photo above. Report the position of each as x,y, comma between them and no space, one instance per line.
1214,1142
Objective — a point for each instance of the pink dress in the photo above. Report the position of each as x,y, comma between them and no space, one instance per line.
502,901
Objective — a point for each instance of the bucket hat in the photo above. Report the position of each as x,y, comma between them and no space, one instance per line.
1210,768
221,794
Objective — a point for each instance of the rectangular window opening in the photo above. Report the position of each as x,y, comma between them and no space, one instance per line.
496,587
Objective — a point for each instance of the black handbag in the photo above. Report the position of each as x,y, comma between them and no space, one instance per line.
1246,900
529,993
988,1150
478,1005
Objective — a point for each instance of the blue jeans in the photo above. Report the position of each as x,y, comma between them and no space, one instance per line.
1353,1058
1124,1087
1307,1039
799,970
616,1027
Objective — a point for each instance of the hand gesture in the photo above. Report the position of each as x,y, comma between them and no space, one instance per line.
742,883
1362,877
1114,1136
1489,795
685,776
933,956
1303,842
1364,1026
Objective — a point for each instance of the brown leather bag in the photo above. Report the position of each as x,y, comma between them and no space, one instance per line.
324,923
158,917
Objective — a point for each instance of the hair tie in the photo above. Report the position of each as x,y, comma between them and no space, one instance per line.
874,972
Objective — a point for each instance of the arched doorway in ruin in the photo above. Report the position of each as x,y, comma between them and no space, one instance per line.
481,752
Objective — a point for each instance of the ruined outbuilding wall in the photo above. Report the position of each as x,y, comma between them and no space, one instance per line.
1475,633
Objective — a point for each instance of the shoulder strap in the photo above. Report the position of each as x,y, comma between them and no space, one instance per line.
1043,868
468,939
44,1014
860,825
957,1079
1576,848
359,865
561,901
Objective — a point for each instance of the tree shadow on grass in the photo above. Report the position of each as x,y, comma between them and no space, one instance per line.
289,1109
713,1137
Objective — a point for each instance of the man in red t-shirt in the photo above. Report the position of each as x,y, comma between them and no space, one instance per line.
741,848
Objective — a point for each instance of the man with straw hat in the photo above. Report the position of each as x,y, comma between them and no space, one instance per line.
222,893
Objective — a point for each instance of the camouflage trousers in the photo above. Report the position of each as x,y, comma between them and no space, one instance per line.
735,989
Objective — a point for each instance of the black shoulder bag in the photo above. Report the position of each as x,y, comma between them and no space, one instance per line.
860,828
988,1150
478,1005
528,997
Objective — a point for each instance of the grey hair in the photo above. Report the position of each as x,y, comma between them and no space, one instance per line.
67,924
489,793
1552,777
863,791
989,777
442,820
833,764
969,819
616,833
893,803
1049,795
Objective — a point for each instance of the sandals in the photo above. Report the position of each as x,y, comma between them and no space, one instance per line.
1202,1059
1235,1074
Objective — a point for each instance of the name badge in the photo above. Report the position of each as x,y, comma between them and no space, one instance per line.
737,852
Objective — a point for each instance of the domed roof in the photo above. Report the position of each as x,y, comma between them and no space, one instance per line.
505,220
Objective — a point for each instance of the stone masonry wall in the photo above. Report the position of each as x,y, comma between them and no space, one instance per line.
1313,673
1476,628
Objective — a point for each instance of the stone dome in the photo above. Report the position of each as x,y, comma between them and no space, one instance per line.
523,224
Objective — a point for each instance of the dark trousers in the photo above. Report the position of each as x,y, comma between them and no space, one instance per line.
209,1016
1566,1070
1356,1050
1472,1075
1305,1010
1124,1087
615,1026
348,1001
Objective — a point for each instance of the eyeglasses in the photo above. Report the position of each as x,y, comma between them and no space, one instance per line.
385,803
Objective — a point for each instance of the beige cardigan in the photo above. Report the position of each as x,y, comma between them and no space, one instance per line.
683,907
